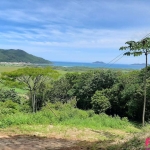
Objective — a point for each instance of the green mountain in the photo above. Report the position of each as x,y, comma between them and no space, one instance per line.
12,55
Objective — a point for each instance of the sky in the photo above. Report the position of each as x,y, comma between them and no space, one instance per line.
74,30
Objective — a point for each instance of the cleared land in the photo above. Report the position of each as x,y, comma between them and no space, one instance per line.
65,138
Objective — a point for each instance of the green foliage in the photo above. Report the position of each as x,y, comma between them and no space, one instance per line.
65,115
9,95
89,82
62,89
126,96
100,102
59,91
34,79
72,69
95,89
9,107
137,48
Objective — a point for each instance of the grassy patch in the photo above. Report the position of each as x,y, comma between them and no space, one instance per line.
66,115
110,139
8,68
65,122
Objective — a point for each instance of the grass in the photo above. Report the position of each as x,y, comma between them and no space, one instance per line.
66,115
18,90
93,131
21,91
67,123
65,132
111,139
8,68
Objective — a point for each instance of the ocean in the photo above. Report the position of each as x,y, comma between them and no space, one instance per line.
98,65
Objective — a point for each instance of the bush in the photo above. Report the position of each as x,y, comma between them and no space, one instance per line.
100,103
91,113
9,95
9,107
67,115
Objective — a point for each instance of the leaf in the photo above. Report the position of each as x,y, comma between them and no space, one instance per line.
127,53
137,53
121,48
131,43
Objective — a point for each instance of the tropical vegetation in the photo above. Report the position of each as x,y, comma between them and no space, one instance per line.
97,99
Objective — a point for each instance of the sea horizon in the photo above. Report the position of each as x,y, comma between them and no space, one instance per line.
98,65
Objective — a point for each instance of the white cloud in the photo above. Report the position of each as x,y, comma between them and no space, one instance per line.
72,25
79,38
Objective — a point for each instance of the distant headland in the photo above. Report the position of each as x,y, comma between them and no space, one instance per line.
139,64
19,56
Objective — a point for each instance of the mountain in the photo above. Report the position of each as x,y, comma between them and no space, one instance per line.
17,55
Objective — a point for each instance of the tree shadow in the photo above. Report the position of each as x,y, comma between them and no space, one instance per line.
33,142
108,135
134,143
27,142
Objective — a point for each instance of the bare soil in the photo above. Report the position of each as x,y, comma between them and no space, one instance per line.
28,142
70,139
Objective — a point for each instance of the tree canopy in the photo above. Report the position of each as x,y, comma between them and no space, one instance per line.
137,49
31,78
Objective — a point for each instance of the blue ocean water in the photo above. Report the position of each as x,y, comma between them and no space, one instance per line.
98,65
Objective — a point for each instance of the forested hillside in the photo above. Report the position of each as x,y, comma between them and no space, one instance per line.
12,55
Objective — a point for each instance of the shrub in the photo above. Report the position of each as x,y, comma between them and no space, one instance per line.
9,107
100,103
9,95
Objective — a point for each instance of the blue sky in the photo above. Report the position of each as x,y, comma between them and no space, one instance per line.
74,30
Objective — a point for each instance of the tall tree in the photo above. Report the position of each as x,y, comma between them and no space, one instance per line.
62,88
137,49
89,82
100,103
32,79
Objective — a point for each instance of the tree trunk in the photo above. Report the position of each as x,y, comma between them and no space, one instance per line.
33,105
144,104
33,101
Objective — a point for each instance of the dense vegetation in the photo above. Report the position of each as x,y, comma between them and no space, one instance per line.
12,55
115,93
100,100
124,91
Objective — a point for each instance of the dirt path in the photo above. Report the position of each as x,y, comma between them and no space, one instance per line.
26,142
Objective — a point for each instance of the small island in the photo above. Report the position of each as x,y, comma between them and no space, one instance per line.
99,62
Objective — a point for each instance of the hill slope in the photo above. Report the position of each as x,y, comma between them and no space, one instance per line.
12,55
